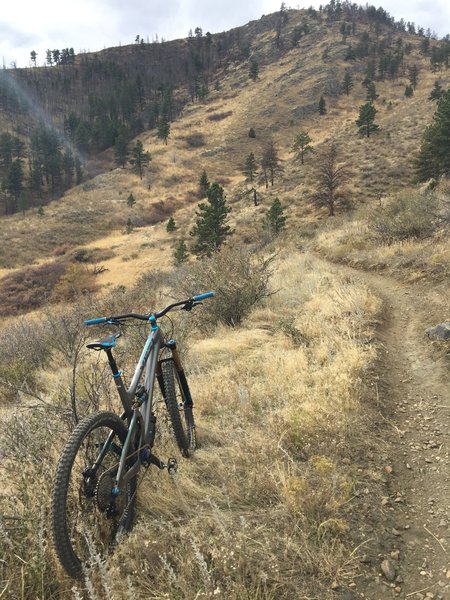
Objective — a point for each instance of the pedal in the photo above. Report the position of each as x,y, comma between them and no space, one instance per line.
172,466
147,459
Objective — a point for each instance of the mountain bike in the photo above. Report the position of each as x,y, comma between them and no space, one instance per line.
95,485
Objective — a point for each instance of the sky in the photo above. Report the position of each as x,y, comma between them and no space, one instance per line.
91,25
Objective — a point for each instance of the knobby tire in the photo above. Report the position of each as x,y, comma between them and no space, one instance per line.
80,525
181,415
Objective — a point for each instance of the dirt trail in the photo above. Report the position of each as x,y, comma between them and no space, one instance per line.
414,389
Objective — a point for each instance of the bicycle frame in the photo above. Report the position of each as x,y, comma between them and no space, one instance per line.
135,414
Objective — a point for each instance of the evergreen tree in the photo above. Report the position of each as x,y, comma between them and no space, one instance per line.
371,92
413,76
350,54
302,145
437,91
171,226
15,182
409,92
250,167
366,120
139,159
163,128
253,71
274,220
129,226
270,163
131,200
434,155
181,254
121,149
78,170
68,165
347,82
251,133
322,106
203,184
6,150
210,229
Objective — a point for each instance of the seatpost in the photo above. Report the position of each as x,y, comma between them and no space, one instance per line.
117,375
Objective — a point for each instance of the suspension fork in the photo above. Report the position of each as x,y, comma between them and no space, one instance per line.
187,398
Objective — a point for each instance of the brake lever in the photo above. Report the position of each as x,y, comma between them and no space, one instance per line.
190,305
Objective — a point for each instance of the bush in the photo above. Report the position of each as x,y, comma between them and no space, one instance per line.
220,116
24,350
29,288
240,281
195,140
406,216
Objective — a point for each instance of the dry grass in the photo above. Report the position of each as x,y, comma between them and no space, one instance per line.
265,508
356,243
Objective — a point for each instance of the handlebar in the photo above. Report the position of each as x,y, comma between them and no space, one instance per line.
185,305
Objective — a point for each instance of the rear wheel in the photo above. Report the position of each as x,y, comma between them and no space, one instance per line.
87,517
180,413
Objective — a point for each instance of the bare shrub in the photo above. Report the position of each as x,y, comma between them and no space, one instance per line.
75,282
29,288
220,116
23,352
406,216
90,255
195,140
240,282
157,213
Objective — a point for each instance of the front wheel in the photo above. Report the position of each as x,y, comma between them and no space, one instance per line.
180,410
88,517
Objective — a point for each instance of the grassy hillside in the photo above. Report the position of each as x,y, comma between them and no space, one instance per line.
278,500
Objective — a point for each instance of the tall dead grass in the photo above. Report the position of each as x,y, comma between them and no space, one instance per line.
266,507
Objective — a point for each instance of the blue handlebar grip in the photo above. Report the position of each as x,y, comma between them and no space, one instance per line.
96,321
203,296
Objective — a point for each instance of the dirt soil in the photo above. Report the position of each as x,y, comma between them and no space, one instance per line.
413,389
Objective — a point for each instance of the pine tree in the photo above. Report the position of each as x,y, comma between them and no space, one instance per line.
302,145
171,226
15,182
68,164
270,163
163,128
121,149
203,184
250,167
413,76
434,155
274,220
322,106
371,92
131,200
251,133
210,227
139,159
409,92
347,83
129,226
366,120
253,71
437,91
181,254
